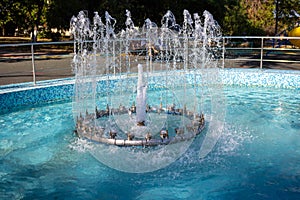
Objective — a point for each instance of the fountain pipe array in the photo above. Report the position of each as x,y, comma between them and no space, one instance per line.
172,57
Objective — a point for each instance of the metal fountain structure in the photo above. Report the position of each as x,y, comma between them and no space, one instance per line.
143,86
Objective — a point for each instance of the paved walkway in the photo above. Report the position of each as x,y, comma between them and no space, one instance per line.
17,67
21,71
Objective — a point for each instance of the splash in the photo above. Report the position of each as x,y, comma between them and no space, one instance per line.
147,84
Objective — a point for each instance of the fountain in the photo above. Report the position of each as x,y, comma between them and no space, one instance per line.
146,86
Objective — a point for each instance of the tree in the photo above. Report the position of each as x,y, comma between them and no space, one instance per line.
259,15
33,12
27,14
59,13
235,19
286,13
6,14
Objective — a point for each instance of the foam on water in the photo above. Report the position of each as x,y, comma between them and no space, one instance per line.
81,145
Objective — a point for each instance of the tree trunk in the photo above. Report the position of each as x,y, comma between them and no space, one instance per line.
3,31
276,17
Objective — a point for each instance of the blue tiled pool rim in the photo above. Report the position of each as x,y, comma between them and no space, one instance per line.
25,94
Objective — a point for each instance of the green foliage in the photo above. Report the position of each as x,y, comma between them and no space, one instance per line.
60,12
7,12
236,17
249,17
25,14
286,17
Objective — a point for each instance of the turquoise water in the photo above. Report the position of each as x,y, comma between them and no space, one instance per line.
257,157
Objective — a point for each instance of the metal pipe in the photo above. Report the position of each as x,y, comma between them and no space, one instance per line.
261,53
36,43
223,54
33,64
139,39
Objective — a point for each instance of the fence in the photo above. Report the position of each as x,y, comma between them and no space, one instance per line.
32,62
262,52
